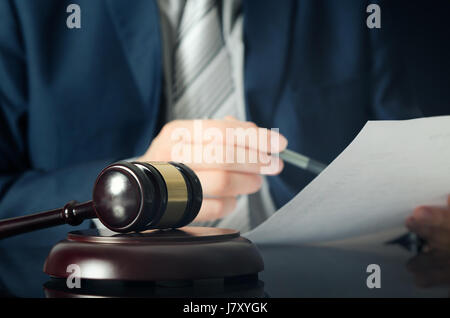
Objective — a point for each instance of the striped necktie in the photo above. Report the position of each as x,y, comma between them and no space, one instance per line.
202,83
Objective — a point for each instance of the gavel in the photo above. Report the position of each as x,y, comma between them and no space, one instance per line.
127,197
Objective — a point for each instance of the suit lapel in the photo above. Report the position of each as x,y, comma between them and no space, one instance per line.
267,38
137,25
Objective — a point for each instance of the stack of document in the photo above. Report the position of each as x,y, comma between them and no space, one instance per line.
390,168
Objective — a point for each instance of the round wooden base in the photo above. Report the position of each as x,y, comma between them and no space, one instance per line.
239,286
188,253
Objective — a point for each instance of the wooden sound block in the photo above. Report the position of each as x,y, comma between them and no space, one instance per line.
187,253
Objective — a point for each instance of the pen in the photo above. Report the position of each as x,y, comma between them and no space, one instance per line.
416,243
302,161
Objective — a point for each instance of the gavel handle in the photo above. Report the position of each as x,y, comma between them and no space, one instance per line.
72,213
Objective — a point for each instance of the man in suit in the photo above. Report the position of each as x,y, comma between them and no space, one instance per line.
73,100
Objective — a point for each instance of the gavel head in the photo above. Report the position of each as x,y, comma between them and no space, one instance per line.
146,195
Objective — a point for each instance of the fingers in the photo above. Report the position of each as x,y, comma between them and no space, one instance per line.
433,225
215,157
231,132
215,208
274,167
432,216
227,155
224,187
228,184
211,146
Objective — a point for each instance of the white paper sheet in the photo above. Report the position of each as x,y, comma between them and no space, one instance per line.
372,186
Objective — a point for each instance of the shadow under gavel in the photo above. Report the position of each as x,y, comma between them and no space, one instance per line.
127,197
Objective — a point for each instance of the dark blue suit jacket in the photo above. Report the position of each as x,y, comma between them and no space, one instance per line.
73,101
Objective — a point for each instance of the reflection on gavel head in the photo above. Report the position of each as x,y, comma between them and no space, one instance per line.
146,195
127,197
